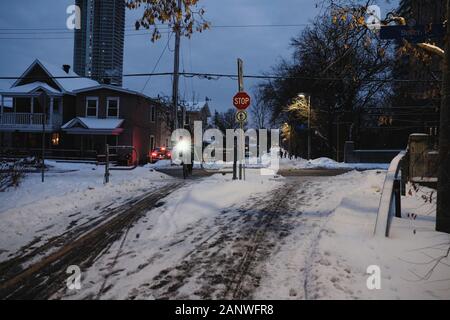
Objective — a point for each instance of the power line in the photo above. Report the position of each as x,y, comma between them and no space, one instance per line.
143,32
72,37
217,76
132,32
163,26
157,62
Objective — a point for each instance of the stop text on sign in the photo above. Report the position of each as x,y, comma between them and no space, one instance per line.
241,101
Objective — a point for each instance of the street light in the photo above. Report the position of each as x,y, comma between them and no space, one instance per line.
306,97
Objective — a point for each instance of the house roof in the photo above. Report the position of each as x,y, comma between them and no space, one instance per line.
63,83
94,123
67,82
110,87
81,125
30,88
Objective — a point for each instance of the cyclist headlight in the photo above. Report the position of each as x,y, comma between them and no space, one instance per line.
183,146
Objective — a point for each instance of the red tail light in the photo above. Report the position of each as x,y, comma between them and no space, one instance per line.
154,154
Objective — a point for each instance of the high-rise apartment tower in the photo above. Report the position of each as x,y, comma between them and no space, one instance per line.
98,48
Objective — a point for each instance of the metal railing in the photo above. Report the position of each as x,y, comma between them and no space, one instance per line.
390,202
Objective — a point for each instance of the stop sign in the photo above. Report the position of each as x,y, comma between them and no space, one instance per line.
241,100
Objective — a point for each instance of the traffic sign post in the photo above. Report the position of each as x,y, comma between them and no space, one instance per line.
240,75
241,100
241,116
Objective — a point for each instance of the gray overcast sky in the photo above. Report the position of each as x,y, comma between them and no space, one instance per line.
213,51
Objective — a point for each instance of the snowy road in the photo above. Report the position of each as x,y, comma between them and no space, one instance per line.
307,235
221,255
228,263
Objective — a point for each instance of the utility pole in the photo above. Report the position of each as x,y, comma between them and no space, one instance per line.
240,64
106,179
443,199
44,119
309,127
337,139
43,101
176,68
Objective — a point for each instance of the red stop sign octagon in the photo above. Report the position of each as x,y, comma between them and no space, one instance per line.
241,101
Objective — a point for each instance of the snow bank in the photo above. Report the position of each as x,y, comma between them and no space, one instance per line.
326,163
207,199
347,248
328,254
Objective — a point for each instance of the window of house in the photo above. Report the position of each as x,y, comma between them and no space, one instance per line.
92,107
113,107
55,139
152,142
152,114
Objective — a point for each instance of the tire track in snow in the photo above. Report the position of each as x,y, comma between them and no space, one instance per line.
227,264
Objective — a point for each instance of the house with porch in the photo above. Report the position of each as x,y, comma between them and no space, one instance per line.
76,116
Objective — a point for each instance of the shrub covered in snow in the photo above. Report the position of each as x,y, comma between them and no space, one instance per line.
12,172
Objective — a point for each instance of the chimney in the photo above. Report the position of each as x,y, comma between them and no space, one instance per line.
66,68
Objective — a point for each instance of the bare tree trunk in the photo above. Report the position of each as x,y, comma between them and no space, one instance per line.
443,194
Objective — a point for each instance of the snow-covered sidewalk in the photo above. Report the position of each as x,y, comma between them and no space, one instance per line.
412,261
328,256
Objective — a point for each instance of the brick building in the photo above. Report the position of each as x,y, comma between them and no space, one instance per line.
78,115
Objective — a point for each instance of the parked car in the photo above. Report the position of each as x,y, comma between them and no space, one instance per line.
160,153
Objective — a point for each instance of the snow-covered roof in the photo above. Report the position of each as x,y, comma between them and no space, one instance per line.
110,87
94,123
67,82
30,88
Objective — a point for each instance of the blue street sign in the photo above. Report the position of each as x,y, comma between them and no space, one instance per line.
419,33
